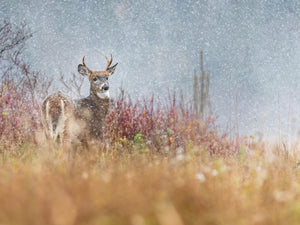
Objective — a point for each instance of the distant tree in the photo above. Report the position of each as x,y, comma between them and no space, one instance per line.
201,98
14,69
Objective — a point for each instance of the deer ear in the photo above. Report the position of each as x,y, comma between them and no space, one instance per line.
83,70
111,69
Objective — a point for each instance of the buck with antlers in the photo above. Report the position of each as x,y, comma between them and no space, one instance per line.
66,119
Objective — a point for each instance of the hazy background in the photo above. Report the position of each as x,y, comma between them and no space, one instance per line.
252,49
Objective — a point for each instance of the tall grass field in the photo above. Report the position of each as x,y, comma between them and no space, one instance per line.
156,164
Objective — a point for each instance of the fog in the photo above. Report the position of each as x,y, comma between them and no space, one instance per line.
252,49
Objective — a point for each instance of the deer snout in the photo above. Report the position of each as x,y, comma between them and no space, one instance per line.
105,87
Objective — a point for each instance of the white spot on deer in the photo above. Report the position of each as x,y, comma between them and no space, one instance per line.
103,95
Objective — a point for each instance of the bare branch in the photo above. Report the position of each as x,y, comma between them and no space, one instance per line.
12,37
73,84
14,68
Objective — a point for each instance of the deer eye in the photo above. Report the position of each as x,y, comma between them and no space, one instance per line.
95,79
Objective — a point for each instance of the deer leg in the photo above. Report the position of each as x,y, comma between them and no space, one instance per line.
66,141
65,133
48,122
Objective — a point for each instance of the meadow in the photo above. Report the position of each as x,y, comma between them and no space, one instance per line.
155,165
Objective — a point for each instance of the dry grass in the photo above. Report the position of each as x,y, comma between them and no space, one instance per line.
103,186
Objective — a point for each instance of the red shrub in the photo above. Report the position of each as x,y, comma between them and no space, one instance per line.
19,116
160,125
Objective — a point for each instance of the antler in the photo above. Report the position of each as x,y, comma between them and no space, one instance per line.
108,62
85,64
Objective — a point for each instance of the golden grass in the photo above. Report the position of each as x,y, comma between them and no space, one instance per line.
116,187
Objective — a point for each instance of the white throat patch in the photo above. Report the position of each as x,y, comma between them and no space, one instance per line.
103,95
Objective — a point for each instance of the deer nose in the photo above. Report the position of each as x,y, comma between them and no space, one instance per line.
105,87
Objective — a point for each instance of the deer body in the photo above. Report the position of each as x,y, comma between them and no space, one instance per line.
66,119
91,111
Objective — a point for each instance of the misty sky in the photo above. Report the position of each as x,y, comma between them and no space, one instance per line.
252,49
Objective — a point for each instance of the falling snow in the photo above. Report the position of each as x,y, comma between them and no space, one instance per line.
252,49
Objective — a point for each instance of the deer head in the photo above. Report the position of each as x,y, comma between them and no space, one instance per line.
98,79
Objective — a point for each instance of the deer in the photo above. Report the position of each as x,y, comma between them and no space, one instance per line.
65,119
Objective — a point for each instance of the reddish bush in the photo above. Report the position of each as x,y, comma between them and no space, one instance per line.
158,125
19,116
